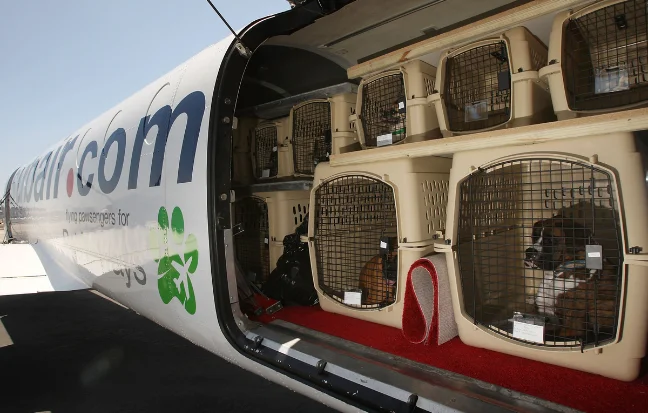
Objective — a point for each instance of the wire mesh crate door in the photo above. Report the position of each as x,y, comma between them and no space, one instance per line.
383,113
311,136
265,149
605,57
354,214
478,88
539,243
252,244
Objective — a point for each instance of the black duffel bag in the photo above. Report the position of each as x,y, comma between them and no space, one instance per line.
291,282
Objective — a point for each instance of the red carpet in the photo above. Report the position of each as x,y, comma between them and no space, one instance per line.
579,390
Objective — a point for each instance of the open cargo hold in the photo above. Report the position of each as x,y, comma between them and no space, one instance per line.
358,204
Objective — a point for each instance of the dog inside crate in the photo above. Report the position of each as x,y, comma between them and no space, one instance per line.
540,252
355,241
605,57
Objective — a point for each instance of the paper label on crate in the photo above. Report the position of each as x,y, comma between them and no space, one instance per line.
384,140
265,240
383,244
528,332
594,254
265,173
476,111
611,79
353,297
401,105
274,149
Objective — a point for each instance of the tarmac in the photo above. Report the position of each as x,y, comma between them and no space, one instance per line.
78,352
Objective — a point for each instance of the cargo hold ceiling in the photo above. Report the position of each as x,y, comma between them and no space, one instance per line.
364,28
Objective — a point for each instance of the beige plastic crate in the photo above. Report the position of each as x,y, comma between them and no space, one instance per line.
320,127
268,137
242,134
594,65
402,93
360,204
286,210
492,83
522,187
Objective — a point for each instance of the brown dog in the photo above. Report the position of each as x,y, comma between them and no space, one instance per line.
375,288
583,300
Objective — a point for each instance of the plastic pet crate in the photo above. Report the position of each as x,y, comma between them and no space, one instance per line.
598,59
285,211
392,106
492,83
272,150
368,224
541,260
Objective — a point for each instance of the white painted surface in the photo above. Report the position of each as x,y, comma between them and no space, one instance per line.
22,271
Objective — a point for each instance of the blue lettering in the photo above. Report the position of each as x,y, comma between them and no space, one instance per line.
91,149
109,185
39,184
161,120
51,172
66,148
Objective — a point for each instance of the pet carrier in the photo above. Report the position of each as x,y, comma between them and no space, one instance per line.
242,136
319,126
252,244
540,254
272,150
492,83
367,225
392,106
598,59
267,217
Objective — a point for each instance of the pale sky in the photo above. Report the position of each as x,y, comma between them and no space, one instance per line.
63,63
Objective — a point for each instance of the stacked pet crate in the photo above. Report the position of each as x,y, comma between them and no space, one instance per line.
598,59
320,127
392,106
492,83
365,230
264,219
272,150
541,240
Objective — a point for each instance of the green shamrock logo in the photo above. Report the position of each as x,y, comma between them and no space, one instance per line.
177,259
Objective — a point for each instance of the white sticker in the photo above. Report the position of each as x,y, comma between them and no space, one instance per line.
383,244
611,79
384,140
265,240
528,332
594,254
401,105
274,149
476,111
352,298
265,173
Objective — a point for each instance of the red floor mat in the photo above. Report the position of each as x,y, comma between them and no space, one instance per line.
576,389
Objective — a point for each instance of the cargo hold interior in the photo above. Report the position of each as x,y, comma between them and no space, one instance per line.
299,124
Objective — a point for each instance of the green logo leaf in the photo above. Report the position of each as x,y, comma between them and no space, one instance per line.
177,258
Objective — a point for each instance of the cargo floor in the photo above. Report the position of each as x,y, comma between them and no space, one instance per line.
576,389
